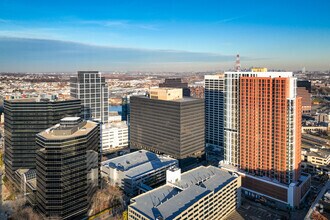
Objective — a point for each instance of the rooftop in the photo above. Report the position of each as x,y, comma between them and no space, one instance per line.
57,132
170,200
323,153
183,99
116,124
138,163
27,100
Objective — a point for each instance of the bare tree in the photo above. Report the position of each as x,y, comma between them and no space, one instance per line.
108,197
19,210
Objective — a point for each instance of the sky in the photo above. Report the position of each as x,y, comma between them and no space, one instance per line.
170,35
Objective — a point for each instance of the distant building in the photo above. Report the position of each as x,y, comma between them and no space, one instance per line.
168,123
24,118
201,193
137,171
214,110
316,160
176,83
90,87
304,89
125,104
306,84
114,135
322,117
68,168
114,117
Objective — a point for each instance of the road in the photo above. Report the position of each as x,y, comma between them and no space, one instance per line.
321,193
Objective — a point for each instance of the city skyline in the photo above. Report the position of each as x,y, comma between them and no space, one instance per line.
163,36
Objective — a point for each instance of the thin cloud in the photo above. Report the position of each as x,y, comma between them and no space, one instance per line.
4,20
124,24
226,20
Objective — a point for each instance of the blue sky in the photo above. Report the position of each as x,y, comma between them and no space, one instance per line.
186,35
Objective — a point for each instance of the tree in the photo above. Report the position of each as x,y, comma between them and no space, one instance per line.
21,211
108,197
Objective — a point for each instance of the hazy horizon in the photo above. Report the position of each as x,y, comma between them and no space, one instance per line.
171,36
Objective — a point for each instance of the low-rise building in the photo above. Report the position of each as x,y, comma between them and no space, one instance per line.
315,160
114,116
137,171
114,135
318,157
272,192
201,193
322,117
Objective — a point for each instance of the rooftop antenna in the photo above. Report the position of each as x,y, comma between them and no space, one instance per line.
238,64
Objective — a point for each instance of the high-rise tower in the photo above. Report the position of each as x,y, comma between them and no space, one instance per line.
214,110
24,118
68,168
168,123
90,87
262,124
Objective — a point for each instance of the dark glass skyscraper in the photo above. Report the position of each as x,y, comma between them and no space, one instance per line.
68,168
168,124
90,87
24,118
214,110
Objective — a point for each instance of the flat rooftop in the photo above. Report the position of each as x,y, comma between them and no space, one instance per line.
51,133
323,153
116,124
170,200
138,163
27,100
183,99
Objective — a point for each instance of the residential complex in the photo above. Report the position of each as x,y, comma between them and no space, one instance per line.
201,193
214,110
167,123
263,131
270,126
24,118
264,112
138,171
90,87
68,168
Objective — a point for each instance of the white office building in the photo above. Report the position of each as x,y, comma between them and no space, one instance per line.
114,135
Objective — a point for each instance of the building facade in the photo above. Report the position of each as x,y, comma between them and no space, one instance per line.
263,124
172,126
270,127
137,171
114,135
214,110
176,83
67,168
90,87
201,193
24,118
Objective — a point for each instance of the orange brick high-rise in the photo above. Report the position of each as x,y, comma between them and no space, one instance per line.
270,126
